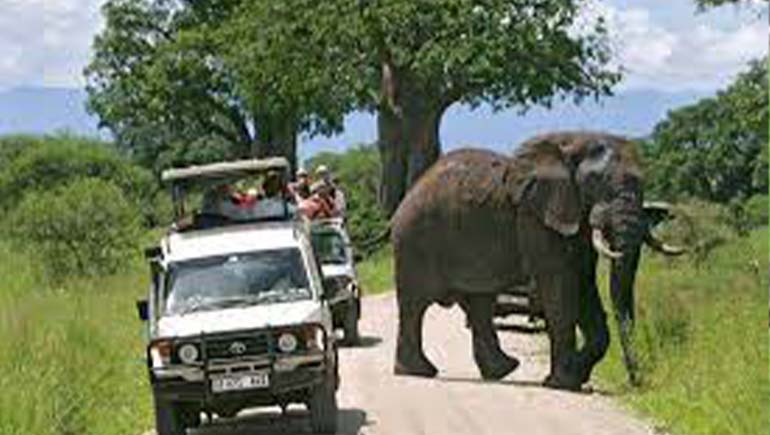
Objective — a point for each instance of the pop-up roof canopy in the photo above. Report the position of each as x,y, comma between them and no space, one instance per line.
226,169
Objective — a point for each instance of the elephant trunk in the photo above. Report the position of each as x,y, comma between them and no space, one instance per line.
622,280
621,228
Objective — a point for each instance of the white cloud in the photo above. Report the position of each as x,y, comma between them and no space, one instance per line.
662,44
697,55
46,42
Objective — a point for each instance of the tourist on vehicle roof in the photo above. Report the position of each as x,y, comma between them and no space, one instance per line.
300,188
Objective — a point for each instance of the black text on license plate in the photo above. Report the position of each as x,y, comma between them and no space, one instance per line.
240,382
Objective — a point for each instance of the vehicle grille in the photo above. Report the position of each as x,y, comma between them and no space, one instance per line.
240,346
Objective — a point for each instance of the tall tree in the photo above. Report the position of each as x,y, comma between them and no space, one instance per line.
162,94
410,60
169,83
715,149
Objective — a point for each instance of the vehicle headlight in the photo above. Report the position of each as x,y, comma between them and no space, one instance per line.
188,353
160,353
320,338
287,342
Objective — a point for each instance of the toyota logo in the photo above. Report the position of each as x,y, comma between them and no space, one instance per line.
237,348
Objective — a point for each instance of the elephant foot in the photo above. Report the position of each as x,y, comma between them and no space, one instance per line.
500,368
421,368
568,383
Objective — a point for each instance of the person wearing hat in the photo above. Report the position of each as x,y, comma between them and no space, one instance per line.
320,204
300,188
336,194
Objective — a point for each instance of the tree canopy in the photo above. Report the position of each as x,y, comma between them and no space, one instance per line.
180,81
715,149
410,60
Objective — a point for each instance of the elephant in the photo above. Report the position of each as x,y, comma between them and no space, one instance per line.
478,223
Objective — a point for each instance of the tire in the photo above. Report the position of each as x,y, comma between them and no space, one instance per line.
169,419
323,407
350,324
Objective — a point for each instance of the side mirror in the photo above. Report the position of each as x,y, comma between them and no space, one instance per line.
143,310
153,252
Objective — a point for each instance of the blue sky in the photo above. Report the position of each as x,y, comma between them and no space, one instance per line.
666,47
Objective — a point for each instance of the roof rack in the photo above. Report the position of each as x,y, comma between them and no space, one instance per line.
226,169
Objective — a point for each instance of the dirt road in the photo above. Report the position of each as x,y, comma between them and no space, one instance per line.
374,402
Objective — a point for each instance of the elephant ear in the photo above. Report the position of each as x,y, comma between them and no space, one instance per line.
551,192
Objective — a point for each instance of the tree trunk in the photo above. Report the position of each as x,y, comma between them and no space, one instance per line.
408,136
277,139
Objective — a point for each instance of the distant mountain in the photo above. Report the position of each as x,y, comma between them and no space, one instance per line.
634,113
45,110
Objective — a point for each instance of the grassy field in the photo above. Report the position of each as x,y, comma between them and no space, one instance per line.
70,353
702,338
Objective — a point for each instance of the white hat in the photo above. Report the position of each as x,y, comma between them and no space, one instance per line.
301,172
322,170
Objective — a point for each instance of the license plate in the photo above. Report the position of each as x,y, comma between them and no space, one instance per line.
240,382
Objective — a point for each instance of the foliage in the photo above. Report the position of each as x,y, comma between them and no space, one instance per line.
85,227
31,164
376,272
503,52
162,94
702,339
175,91
357,169
706,4
715,150
71,355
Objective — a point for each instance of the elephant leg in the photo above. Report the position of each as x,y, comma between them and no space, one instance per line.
410,359
592,322
560,306
492,362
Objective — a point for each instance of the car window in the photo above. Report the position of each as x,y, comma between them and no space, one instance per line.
330,247
235,280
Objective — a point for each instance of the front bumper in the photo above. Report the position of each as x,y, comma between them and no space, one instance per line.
290,379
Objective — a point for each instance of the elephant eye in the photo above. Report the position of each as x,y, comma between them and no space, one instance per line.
595,151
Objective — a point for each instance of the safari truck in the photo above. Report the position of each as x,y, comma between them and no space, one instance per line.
334,252
236,314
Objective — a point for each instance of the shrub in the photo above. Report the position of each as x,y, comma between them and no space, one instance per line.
86,227
31,164
701,226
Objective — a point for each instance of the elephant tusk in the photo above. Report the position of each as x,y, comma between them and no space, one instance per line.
658,205
662,247
602,247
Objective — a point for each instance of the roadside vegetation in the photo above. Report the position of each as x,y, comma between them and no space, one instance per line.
71,347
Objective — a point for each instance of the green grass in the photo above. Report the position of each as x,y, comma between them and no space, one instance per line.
702,340
376,272
70,354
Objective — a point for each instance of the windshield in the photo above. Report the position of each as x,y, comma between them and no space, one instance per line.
237,280
330,247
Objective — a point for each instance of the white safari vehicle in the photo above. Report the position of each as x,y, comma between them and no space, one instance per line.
236,314
334,252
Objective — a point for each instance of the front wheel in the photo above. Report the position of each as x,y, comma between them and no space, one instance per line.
323,407
350,324
169,418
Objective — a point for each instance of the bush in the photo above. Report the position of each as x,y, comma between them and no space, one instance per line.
86,227
31,164
701,226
